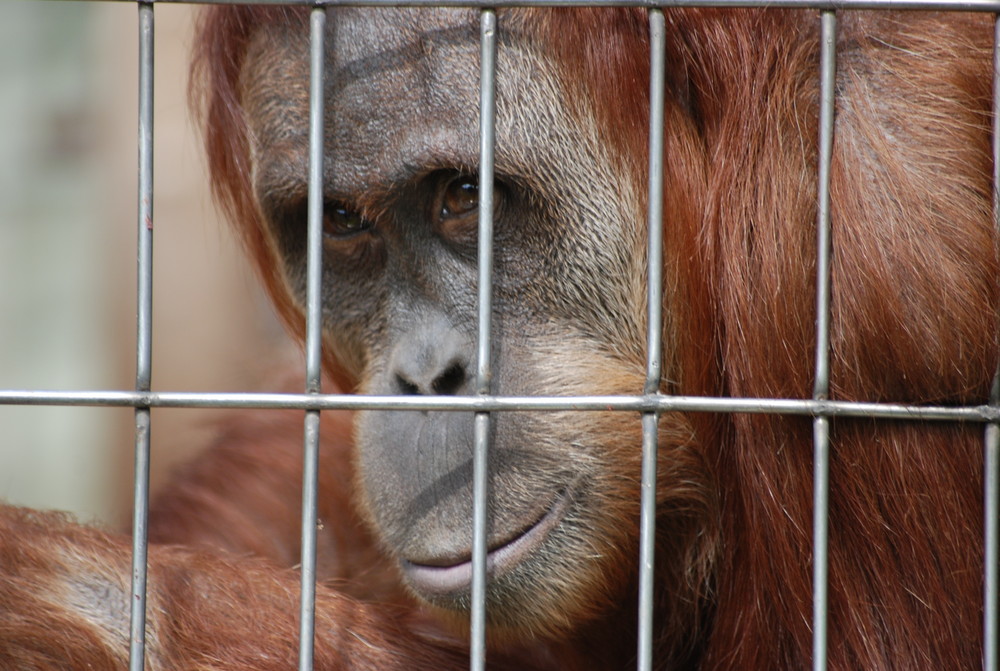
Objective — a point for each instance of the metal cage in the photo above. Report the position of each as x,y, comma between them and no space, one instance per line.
650,403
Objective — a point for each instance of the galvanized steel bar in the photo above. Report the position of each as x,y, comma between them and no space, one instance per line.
992,6
821,495
487,139
314,329
821,388
143,348
828,73
654,336
991,540
314,216
619,403
991,459
480,522
307,596
484,374
654,218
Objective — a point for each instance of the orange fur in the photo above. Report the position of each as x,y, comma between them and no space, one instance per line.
915,306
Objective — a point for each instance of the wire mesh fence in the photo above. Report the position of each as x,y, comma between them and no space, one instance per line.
651,403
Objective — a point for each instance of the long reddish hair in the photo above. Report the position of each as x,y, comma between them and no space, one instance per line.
915,299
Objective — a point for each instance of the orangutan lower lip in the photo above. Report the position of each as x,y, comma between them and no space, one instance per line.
447,580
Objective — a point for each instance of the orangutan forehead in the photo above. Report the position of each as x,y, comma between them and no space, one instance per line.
402,98
377,42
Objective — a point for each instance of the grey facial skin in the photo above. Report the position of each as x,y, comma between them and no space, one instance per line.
401,152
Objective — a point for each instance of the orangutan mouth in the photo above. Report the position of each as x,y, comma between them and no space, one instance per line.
450,578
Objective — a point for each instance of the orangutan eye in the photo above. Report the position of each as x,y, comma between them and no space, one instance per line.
455,206
341,222
461,196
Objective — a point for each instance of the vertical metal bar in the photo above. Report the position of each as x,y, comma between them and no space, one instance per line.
314,326
991,459
991,580
654,335
144,350
487,138
821,388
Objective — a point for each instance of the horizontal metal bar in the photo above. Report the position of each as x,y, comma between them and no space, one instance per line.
636,403
896,5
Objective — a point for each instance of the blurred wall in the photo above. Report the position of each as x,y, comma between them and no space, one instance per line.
68,97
